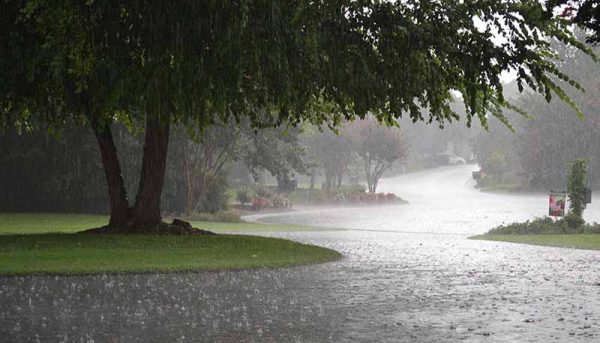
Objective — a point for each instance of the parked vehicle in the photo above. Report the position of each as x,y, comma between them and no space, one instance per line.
453,160
448,159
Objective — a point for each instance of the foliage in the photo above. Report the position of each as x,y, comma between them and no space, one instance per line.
45,174
214,197
496,163
356,189
540,147
370,198
264,192
546,225
200,161
331,152
309,196
271,56
573,220
262,197
350,194
489,184
576,187
259,203
427,141
379,147
581,12
243,196
280,201
39,172
270,62
277,150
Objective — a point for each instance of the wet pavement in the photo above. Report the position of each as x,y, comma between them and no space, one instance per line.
408,275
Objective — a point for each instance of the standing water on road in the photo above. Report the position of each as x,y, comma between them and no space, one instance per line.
409,274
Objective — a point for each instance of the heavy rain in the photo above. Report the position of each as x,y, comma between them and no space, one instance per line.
332,171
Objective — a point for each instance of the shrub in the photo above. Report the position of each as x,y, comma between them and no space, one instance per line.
546,225
315,196
353,189
259,203
263,192
353,199
243,196
215,197
280,201
573,221
591,228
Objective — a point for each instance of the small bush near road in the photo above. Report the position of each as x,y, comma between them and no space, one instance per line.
244,196
546,225
260,203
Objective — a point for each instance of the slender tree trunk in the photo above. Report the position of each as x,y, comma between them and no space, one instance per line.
368,175
146,211
328,181
190,184
119,205
312,178
189,199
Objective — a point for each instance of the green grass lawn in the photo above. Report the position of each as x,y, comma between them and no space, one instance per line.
576,241
26,223
45,244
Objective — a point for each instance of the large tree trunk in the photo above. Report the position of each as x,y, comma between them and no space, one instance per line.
119,205
146,211
145,216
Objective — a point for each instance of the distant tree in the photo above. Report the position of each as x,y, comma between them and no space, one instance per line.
333,153
276,150
41,173
153,64
496,163
428,140
576,187
378,146
200,162
541,145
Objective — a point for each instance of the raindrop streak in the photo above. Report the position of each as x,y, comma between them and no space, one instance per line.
408,274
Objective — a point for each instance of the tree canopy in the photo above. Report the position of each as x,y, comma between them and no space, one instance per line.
196,60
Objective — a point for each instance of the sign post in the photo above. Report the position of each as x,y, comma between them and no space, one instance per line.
557,204
587,197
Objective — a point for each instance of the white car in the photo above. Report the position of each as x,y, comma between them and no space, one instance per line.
453,160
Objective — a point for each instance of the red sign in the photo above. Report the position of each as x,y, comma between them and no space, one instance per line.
557,205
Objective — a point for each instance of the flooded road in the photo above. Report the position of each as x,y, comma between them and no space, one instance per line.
409,274
442,200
